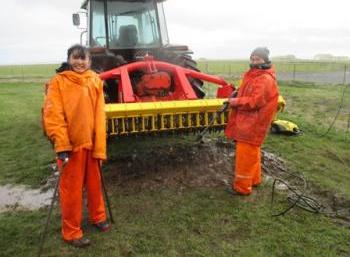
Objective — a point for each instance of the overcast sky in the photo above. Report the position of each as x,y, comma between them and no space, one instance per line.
40,31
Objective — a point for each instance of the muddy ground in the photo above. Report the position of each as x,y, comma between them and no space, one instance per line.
208,164
176,166
211,164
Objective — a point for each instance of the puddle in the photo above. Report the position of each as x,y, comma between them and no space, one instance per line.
23,198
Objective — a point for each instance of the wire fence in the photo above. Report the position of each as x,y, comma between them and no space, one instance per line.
27,73
314,72
318,73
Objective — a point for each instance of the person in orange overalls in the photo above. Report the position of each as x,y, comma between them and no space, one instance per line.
74,121
251,114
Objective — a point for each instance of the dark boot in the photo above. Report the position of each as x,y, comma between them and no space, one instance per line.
79,243
234,192
103,226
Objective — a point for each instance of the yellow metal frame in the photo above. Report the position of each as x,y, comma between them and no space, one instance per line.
150,117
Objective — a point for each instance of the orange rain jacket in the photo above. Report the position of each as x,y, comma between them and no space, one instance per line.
73,113
257,97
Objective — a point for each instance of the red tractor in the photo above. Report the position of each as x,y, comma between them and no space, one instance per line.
150,85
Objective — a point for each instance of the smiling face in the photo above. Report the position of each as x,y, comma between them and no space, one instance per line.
256,60
78,62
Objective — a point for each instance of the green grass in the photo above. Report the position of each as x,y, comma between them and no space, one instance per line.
27,71
324,159
25,153
193,221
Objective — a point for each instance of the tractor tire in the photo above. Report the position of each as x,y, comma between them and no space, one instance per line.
186,61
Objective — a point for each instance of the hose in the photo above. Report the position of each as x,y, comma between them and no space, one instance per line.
299,198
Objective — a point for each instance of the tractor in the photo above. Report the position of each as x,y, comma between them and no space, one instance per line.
150,86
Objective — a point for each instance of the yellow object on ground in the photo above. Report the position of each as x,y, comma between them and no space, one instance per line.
284,127
281,104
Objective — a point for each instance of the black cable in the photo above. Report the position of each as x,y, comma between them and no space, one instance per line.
299,199
340,107
299,195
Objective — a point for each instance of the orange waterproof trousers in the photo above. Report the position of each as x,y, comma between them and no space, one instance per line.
247,168
81,170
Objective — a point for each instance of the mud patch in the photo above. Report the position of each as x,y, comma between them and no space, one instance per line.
23,198
174,166
208,164
330,203
20,197
202,165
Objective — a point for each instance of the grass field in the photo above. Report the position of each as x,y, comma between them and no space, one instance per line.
27,71
193,221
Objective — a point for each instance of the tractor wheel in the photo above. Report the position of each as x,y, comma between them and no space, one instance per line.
186,61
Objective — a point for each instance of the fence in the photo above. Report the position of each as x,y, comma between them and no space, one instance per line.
27,73
316,72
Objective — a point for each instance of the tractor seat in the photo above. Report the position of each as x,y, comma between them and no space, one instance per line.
127,36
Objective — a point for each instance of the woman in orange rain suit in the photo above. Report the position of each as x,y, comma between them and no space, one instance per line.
74,121
252,112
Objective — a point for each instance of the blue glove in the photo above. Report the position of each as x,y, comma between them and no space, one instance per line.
63,156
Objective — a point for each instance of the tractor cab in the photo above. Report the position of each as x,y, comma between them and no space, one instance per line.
127,30
126,24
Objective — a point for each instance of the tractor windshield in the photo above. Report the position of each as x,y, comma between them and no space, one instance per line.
131,24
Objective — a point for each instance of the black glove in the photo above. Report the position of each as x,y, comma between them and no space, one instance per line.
234,94
63,156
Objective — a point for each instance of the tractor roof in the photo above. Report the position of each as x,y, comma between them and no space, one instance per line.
84,5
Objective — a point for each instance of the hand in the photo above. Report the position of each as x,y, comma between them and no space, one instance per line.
232,102
63,156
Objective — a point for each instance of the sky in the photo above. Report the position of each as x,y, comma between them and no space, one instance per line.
40,31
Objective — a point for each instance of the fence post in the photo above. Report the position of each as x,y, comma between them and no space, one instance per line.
344,78
22,73
294,71
206,68
348,129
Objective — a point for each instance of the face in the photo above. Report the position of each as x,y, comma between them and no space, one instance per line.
256,60
79,64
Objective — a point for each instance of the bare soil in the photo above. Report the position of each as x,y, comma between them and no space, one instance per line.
178,166
182,166
208,164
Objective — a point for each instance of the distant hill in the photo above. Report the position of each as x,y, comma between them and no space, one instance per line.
330,57
289,57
